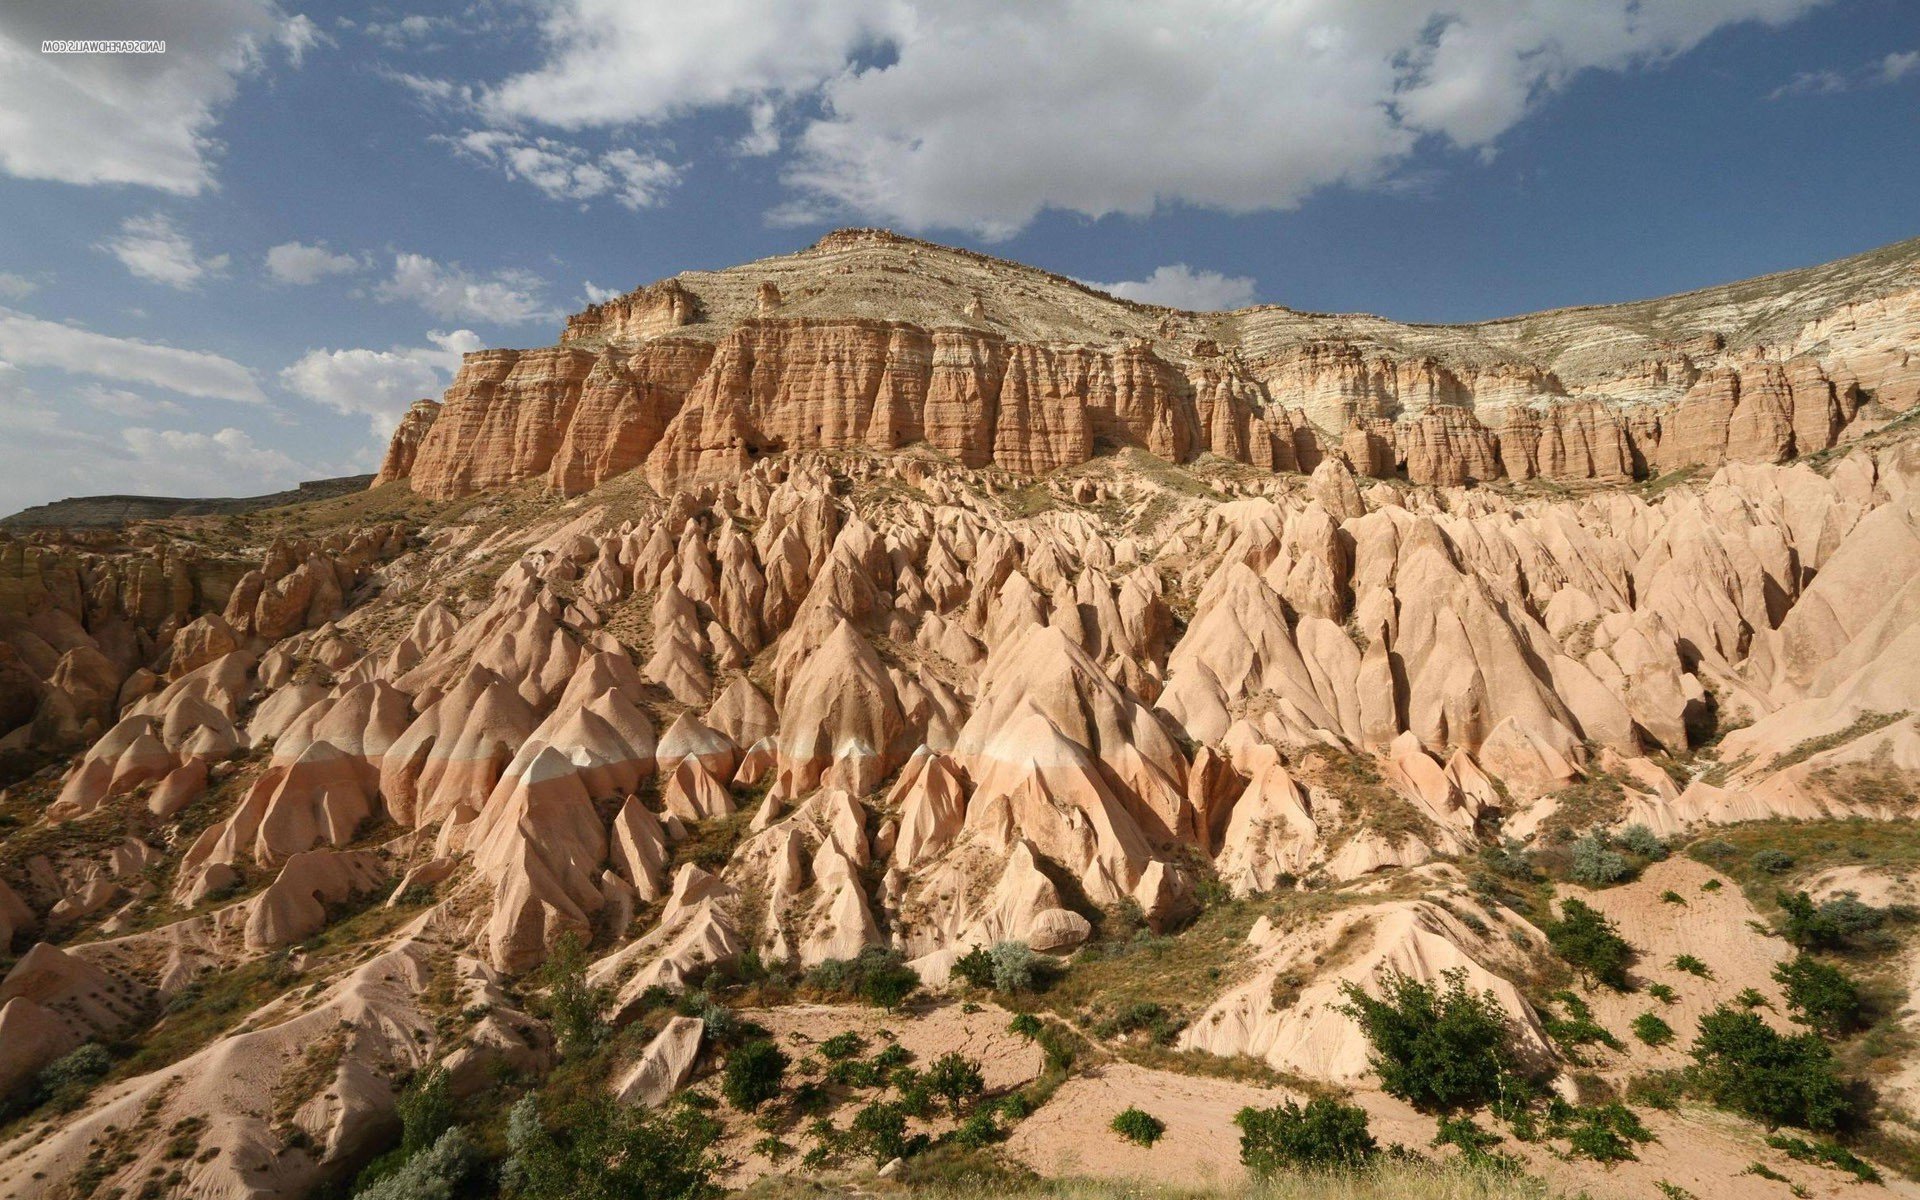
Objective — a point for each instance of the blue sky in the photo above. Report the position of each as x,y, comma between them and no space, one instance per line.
227,268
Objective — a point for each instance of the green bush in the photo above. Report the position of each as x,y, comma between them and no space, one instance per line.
882,1131
753,1074
1821,996
1325,1135
1596,863
426,1110
1026,1025
1638,839
73,1074
978,1131
1605,1133
1663,993
1013,967
1773,862
1438,1049
440,1171
573,1005
1839,923
1825,1154
1590,944
879,977
843,1045
975,967
956,1079
1692,966
1652,1030
1138,1126
594,1150
1746,1066
1476,1145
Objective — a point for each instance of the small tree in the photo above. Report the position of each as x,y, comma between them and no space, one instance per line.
885,979
1747,1066
1437,1049
956,1079
1325,1135
573,1005
1640,840
73,1074
1138,1126
975,967
753,1074
1590,943
593,1150
1821,996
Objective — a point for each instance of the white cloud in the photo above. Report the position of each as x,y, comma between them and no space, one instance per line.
599,295
981,115
144,119
568,172
16,287
29,341
227,462
379,384
450,292
154,248
1177,285
299,263
123,403
1888,69
297,35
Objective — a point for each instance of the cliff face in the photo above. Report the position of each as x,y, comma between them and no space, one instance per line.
873,341
404,448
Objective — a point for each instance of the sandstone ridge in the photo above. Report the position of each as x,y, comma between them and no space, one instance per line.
876,341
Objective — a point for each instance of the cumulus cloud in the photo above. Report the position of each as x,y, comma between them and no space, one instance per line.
154,248
980,116
599,295
379,384
30,341
1177,285
452,293
568,172
1899,65
225,462
144,119
16,287
299,263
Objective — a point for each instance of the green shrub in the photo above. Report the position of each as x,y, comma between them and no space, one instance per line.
1825,1154
1746,1066
573,1005
1711,885
1325,1135
1773,862
753,1074
1672,897
956,1079
1652,1030
1605,1133
1026,1025
1139,1127
975,967
594,1150
440,1171
426,1110
73,1074
1476,1145
843,1045
1590,944
1013,967
1839,923
1691,965
978,1131
879,977
1638,839
1438,1049
882,1131
1596,863
1821,996
1577,1027
1663,993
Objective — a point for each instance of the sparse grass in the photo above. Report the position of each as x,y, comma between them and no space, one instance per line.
985,1177
1863,725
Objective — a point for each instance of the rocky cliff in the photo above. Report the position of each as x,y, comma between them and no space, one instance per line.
880,342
